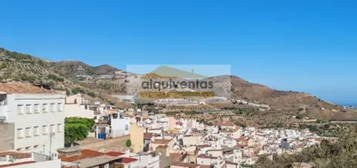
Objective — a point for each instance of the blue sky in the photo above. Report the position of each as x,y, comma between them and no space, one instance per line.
302,45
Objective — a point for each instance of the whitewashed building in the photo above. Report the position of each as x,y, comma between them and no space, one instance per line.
119,125
78,106
36,116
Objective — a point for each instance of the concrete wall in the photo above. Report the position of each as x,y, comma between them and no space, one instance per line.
136,138
7,136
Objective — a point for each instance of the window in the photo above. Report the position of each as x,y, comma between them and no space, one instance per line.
59,107
28,132
35,147
36,108
44,129
52,107
59,128
36,131
20,109
28,148
20,133
18,149
52,128
44,107
3,102
28,109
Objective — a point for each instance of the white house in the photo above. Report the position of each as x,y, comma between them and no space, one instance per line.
148,160
77,106
119,125
206,160
36,115
191,140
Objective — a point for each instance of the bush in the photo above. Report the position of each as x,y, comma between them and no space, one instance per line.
128,143
77,90
55,78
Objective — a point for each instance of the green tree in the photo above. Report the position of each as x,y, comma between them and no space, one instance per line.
77,129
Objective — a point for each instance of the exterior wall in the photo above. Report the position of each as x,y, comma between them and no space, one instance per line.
120,127
148,161
136,138
215,153
7,136
77,110
206,161
172,123
155,131
191,140
34,116
74,99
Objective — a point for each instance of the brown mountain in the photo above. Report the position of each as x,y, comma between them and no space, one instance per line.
288,102
77,69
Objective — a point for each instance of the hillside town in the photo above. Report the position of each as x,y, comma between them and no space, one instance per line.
33,132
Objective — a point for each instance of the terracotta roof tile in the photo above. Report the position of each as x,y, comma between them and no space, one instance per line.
84,154
114,154
148,135
127,160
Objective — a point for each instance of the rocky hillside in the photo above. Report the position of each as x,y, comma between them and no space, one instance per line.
21,67
80,70
288,102
65,76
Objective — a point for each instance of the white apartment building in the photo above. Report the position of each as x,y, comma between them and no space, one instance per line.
36,115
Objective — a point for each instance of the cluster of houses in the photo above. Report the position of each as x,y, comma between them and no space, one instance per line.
32,135
186,143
